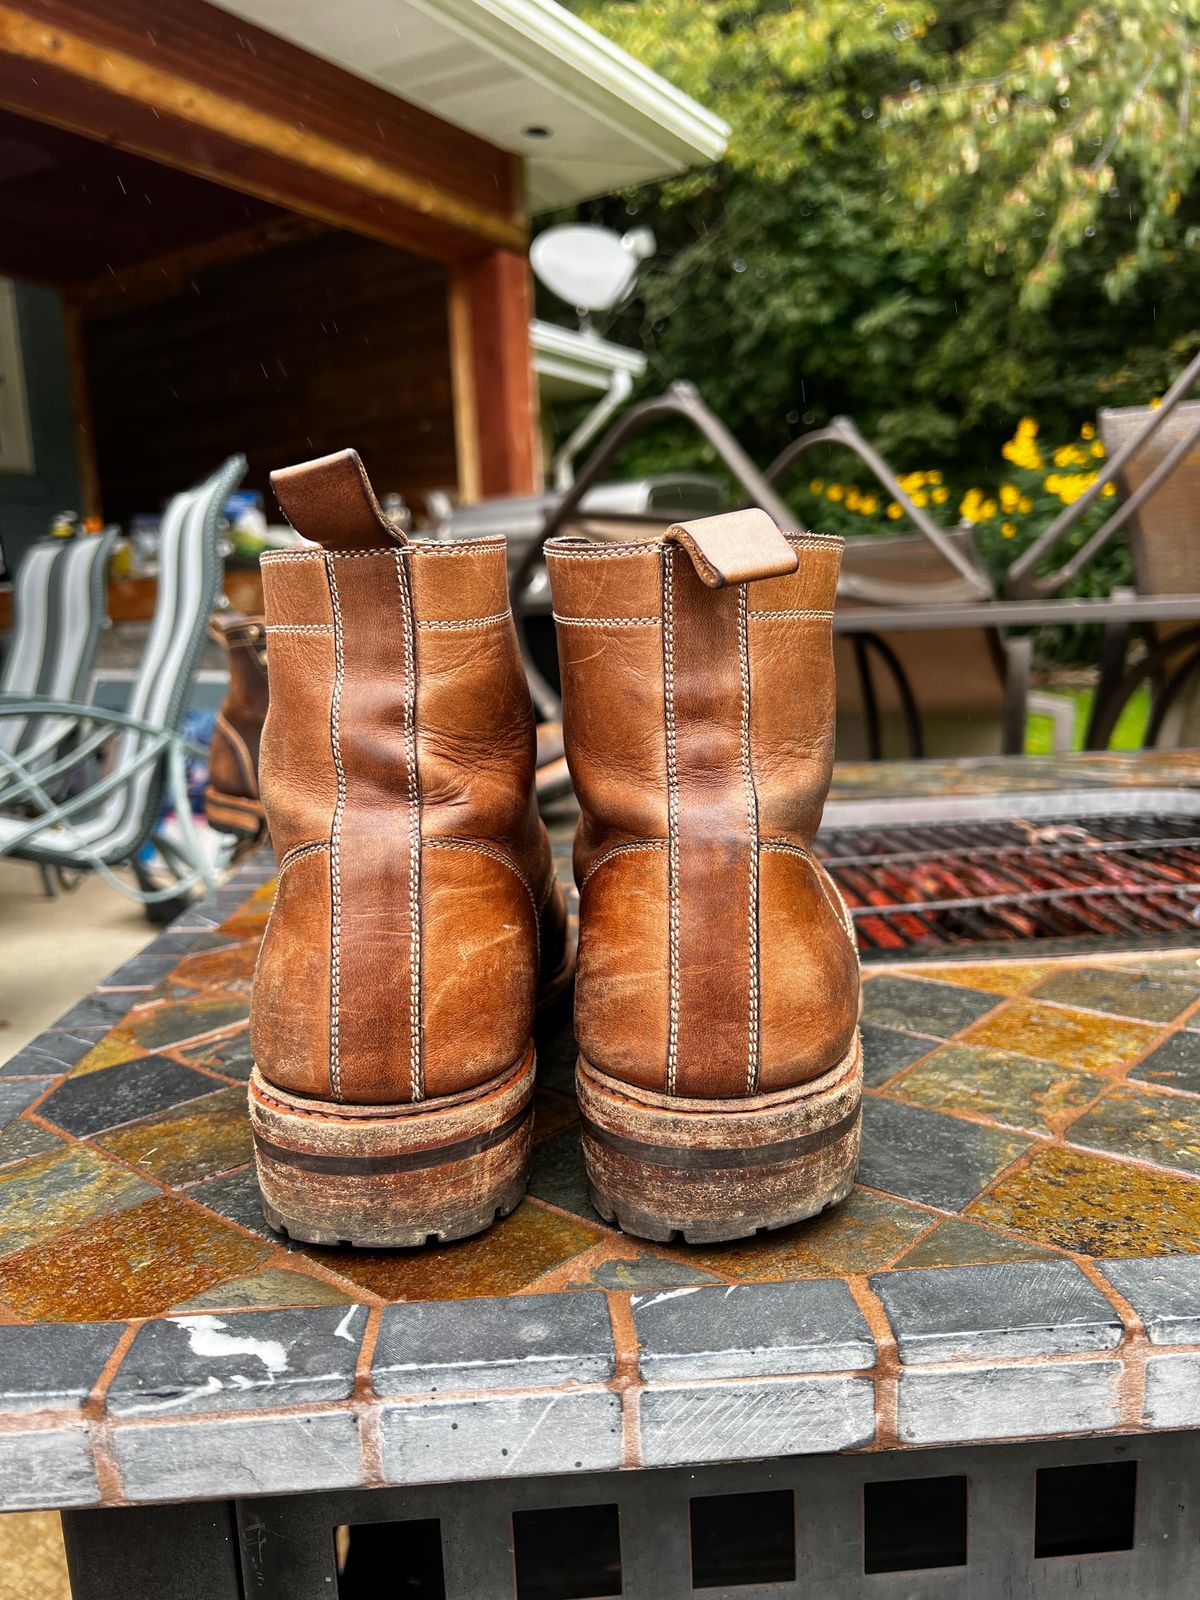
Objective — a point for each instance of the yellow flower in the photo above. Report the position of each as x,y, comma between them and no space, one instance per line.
1156,402
852,499
1098,450
1008,529
835,492
1025,504
920,499
933,477
1108,491
940,496
1010,496
987,510
816,485
1087,431
868,505
894,511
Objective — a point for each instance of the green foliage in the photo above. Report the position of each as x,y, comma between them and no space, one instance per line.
934,217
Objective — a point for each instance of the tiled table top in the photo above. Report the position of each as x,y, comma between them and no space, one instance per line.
1021,1256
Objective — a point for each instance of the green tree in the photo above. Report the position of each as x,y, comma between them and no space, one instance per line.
932,217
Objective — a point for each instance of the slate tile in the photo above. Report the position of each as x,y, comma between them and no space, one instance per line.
107,1098
274,1286
646,1270
887,1050
919,1005
1165,1293
239,1456
53,1365
558,1176
237,1197
1175,1064
1015,1090
1072,1200
230,1054
244,1361
501,1436
751,1330
923,1156
1009,1402
518,1342
134,1262
1072,1038
1025,1308
865,1232
170,1022
96,1010
142,971
755,1421
17,1094
50,1468
512,1254
49,1055
993,977
1121,990
1173,1391
22,1139
954,1243
190,1142
53,1193
1159,1127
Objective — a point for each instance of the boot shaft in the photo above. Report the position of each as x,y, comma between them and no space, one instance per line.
714,954
397,775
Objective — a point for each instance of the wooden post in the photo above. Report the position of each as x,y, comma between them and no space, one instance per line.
495,401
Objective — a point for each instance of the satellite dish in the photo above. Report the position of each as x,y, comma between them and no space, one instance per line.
592,269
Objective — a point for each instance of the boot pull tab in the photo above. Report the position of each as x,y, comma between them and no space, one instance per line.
735,547
331,502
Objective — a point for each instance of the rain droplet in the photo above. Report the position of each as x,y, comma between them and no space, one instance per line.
739,266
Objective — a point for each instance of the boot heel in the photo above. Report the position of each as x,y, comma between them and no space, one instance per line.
387,1176
236,815
712,1170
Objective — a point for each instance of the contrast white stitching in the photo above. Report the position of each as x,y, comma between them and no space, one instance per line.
607,622
791,616
841,910
494,855
599,553
416,1087
271,558
470,622
752,818
457,547
631,847
299,627
335,839
296,853
668,613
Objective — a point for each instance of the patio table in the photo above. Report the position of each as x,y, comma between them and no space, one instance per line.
979,1376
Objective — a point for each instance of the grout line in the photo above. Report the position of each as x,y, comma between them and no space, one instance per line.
95,1410
887,1363
1132,1351
626,1381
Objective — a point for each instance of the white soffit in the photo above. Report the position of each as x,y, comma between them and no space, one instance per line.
500,67
571,364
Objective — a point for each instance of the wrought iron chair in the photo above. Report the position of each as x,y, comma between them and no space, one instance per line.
121,764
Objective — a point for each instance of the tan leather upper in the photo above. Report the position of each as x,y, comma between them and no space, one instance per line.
402,954
234,752
715,956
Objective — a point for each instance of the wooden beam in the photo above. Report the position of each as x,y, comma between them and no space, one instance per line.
496,382
81,406
164,276
131,101
462,388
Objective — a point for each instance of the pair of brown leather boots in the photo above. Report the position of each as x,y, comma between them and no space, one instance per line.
419,925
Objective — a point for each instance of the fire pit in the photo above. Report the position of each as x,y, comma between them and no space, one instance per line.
1062,868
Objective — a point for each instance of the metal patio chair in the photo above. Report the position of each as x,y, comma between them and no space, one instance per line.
1153,458
96,807
918,692
59,607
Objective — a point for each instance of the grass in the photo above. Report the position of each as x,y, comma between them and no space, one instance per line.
1131,725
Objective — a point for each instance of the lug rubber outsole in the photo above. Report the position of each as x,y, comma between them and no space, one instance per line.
393,1177
707,1171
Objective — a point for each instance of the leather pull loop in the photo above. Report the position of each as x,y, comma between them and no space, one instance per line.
331,502
735,547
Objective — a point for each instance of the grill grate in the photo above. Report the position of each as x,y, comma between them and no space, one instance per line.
924,887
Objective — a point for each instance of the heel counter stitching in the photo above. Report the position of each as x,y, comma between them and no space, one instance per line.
837,903
475,848
631,846
415,1064
296,853
668,638
753,1007
335,838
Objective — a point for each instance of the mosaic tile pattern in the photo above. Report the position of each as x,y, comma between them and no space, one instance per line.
1021,1118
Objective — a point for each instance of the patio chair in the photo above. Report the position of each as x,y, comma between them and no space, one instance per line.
122,764
962,691
59,603
1153,458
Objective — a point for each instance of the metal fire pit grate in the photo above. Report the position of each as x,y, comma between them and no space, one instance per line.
1069,869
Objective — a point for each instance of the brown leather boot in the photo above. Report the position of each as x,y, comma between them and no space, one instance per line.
717,995
232,802
392,1022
